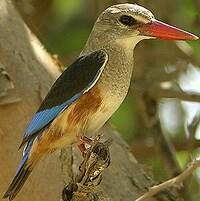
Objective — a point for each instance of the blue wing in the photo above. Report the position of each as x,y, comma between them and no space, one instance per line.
77,79
43,118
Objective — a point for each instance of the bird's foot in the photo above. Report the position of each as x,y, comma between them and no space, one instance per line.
96,160
85,142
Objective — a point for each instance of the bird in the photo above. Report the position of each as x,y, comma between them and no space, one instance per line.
92,88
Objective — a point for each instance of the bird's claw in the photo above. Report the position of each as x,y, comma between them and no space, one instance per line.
96,159
85,143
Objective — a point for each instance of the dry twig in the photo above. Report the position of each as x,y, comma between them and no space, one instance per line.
169,93
96,160
171,182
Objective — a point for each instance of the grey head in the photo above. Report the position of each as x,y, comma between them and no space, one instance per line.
127,24
123,20
119,24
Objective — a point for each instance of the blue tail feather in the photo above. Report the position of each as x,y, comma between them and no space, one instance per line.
21,175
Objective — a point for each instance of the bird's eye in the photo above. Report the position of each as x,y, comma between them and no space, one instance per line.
127,20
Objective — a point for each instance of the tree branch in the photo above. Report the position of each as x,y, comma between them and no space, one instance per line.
176,181
145,149
169,93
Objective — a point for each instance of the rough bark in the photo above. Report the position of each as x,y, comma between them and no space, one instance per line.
30,72
26,73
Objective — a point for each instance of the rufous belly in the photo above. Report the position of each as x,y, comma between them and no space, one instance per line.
84,117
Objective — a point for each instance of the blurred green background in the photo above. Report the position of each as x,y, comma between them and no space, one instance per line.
163,71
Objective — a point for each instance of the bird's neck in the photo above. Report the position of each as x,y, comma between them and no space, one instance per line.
120,54
116,76
122,46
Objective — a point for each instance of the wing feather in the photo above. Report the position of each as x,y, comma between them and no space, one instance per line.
76,80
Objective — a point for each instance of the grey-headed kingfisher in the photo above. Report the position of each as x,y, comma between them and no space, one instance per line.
92,88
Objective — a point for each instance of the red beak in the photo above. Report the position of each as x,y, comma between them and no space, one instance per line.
164,31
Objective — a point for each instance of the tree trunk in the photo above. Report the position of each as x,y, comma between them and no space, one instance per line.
26,73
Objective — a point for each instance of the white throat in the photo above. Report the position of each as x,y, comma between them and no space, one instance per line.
129,43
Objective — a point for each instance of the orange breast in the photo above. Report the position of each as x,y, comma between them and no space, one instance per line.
75,119
87,105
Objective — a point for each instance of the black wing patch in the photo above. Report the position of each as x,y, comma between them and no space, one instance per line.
73,82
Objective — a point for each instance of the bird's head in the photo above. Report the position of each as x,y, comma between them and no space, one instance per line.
130,23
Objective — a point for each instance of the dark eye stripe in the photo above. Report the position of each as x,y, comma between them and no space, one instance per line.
127,20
